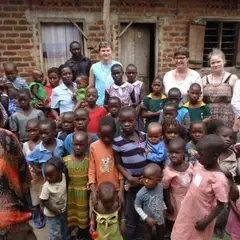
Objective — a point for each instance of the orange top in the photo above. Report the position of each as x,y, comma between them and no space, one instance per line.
102,167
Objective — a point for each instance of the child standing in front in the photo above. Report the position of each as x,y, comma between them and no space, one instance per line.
67,124
18,120
177,177
123,90
206,196
198,110
149,202
154,102
54,198
78,198
130,160
102,166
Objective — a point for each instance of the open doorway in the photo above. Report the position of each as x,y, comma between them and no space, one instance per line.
138,47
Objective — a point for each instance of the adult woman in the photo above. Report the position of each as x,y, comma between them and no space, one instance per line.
62,96
100,73
182,77
218,87
15,200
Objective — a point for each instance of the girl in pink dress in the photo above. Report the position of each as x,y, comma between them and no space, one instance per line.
233,224
177,177
206,195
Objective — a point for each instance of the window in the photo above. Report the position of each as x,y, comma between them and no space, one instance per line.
222,35
56,38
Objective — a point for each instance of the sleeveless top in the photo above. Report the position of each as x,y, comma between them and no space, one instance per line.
137,90
103,79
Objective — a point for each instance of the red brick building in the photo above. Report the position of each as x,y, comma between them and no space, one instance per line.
36,33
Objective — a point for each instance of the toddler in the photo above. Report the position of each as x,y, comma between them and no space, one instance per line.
198,110
177,177
108,211
18,120
123,90
154,102
80,93
206,196
54,198
149,202
155,147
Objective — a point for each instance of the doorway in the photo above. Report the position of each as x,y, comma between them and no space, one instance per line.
138,47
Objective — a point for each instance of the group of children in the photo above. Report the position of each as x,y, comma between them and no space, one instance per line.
140,167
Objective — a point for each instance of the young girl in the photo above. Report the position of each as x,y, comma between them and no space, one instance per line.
54,198
78,201
102,166
123,90
206,195
96,112
154,102
18,120
107,211
177,177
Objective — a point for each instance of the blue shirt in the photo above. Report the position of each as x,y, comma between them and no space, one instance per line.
158,152
68,143
182,114
132,153
19,83
103,79
62,98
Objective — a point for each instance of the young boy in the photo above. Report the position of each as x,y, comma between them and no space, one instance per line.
130,160
169,111
67,125
155,150
114,105
18,120
198,110
81,121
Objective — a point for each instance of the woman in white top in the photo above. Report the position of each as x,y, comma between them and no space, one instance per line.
182,77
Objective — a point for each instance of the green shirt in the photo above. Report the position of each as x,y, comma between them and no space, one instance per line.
199,113
41,91
81,94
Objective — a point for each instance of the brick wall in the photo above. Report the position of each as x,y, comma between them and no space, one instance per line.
19,37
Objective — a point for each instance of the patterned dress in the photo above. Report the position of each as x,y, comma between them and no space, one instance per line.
78,195
219,100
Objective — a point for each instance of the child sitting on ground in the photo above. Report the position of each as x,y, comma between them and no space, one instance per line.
149,202
107,213
123,90
67,125
54,198
198,110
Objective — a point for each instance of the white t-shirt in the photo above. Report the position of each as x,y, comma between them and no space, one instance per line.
56,194
26,149
170,82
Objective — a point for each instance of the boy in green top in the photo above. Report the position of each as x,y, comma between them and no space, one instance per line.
198,110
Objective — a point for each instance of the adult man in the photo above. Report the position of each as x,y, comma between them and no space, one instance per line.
79,64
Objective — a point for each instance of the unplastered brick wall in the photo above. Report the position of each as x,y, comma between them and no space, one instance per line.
19,36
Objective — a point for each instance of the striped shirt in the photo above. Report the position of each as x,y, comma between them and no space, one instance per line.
132,153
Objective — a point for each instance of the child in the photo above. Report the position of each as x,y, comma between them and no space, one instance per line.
155,148
38,91
227,159
177,177
102,166
131,73
206,195
213,125
149,202
54,198
67,124
81,121
114,105
154,102
77,165
130,160
123,90
198,110
18,120
108,212
80,93
95,112
198,130
169,110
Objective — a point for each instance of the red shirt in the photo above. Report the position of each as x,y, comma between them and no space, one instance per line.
49,90
95,117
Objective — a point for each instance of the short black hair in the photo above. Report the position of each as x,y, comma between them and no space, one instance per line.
220,128
167,122
128,109
157,78
54,70
10,65
155,168
57,163
34,121
174,90
178,141
50,122
195,85
80,133
81,110
107,190
115,66
68,113
131,65
114,98
170,105
197,122
213,124
74,42
63,67
24,91
107,121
